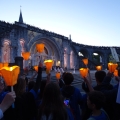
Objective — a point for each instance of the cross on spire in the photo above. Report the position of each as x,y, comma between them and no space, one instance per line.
20,17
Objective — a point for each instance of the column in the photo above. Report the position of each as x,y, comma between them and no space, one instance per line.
62,59
68,61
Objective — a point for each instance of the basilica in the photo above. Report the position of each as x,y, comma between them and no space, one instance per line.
21,37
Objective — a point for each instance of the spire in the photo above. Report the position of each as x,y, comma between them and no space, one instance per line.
20,17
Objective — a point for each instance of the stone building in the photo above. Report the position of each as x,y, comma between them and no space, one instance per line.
19,37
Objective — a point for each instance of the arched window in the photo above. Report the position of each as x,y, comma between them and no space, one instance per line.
6,51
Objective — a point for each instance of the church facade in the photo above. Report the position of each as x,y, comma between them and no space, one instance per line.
20,37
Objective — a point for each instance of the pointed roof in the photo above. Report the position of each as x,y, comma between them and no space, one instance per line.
20,17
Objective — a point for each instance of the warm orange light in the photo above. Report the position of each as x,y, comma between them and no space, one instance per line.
85,61
1,65
40,47
47,71
116,73
83,72
58,75
10,74
26,55
98,67
5,64
36,68
48,64
112,67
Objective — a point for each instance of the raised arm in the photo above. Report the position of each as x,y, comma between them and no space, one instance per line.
7,101
33,76
39,78
88,84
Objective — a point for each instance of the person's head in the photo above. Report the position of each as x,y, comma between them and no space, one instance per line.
42,88
68,78
99,76
51,93
95,100
52,103
20,87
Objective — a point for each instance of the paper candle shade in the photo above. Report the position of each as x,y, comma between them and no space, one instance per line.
83,72
48,64
26,55
5,64
112,67
85,61
98,67
58,75
36,68
40,47
10,74
116,73
1,65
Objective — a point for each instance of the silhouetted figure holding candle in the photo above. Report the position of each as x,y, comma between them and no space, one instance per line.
95,102
25,103
112,106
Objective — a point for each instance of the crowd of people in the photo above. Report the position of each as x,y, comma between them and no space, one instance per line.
47,100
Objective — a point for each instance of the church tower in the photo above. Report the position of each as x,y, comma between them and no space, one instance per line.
20,17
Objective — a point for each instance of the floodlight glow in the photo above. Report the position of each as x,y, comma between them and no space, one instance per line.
95,53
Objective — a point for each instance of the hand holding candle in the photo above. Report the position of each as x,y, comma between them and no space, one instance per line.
83,72
58,75
116,73
48,64
99,67
112,67
36,68
10,75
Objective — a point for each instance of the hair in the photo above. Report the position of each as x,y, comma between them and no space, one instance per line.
97,98
100,75
68,78
20,87
42,88
63,74
31,84
52,103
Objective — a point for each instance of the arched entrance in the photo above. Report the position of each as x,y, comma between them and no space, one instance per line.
51,51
